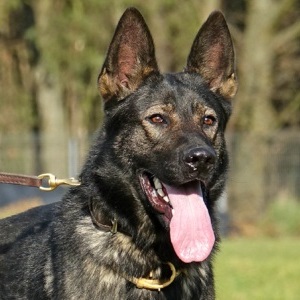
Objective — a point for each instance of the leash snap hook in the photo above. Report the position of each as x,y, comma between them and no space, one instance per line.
54,182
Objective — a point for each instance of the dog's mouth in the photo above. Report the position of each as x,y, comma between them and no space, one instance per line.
183,210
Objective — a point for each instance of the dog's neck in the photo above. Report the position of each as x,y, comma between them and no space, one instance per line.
148,282
103,223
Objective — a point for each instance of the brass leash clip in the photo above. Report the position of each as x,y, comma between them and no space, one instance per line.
54,182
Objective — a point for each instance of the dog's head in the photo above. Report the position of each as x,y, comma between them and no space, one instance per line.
164,133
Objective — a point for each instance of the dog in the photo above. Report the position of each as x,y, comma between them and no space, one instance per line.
142,223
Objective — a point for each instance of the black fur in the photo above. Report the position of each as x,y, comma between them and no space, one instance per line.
63,250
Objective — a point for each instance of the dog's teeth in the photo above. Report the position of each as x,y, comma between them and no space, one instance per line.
160,192
166,198
159,189
157,183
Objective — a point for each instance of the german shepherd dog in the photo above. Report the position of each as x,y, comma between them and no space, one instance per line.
142,223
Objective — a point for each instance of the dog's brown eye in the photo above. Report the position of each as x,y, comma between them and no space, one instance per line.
209,120
157,118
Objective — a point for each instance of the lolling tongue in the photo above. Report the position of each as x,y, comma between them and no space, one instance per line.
191,231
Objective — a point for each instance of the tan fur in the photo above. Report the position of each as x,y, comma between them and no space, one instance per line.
229,87
109,84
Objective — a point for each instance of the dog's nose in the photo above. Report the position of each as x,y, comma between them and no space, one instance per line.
199,158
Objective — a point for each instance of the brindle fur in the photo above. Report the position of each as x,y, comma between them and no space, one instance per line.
58,251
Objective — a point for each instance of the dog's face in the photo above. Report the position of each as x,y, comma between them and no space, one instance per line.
167,131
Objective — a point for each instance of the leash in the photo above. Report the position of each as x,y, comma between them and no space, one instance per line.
45,182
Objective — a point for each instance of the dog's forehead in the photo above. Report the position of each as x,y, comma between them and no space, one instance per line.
180,92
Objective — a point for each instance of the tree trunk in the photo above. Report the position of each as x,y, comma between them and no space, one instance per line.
50,102
253,112
53,132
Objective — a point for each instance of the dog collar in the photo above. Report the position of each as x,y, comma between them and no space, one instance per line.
155,284
141,283
100,222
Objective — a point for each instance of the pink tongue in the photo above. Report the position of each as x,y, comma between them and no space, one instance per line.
191,231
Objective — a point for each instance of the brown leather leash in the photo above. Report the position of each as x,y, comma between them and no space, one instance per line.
45,182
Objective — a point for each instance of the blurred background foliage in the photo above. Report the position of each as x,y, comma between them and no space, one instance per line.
51,52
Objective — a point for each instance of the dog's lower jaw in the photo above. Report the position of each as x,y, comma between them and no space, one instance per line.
157,197
185,215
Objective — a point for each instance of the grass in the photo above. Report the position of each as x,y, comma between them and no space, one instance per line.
281,219
258,269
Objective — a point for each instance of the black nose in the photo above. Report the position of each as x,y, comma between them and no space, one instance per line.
199,158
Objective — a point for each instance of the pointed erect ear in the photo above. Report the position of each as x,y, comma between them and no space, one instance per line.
212,56
130,57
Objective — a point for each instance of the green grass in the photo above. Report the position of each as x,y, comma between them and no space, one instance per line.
281,219
258,269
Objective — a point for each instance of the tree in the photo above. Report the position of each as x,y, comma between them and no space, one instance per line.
255,110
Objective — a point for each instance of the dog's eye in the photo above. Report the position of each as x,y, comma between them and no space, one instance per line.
157,119
209,120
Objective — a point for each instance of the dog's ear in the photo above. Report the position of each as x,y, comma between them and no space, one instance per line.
130,57
212,56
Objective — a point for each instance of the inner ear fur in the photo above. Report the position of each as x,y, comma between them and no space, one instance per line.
212,56
130,58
